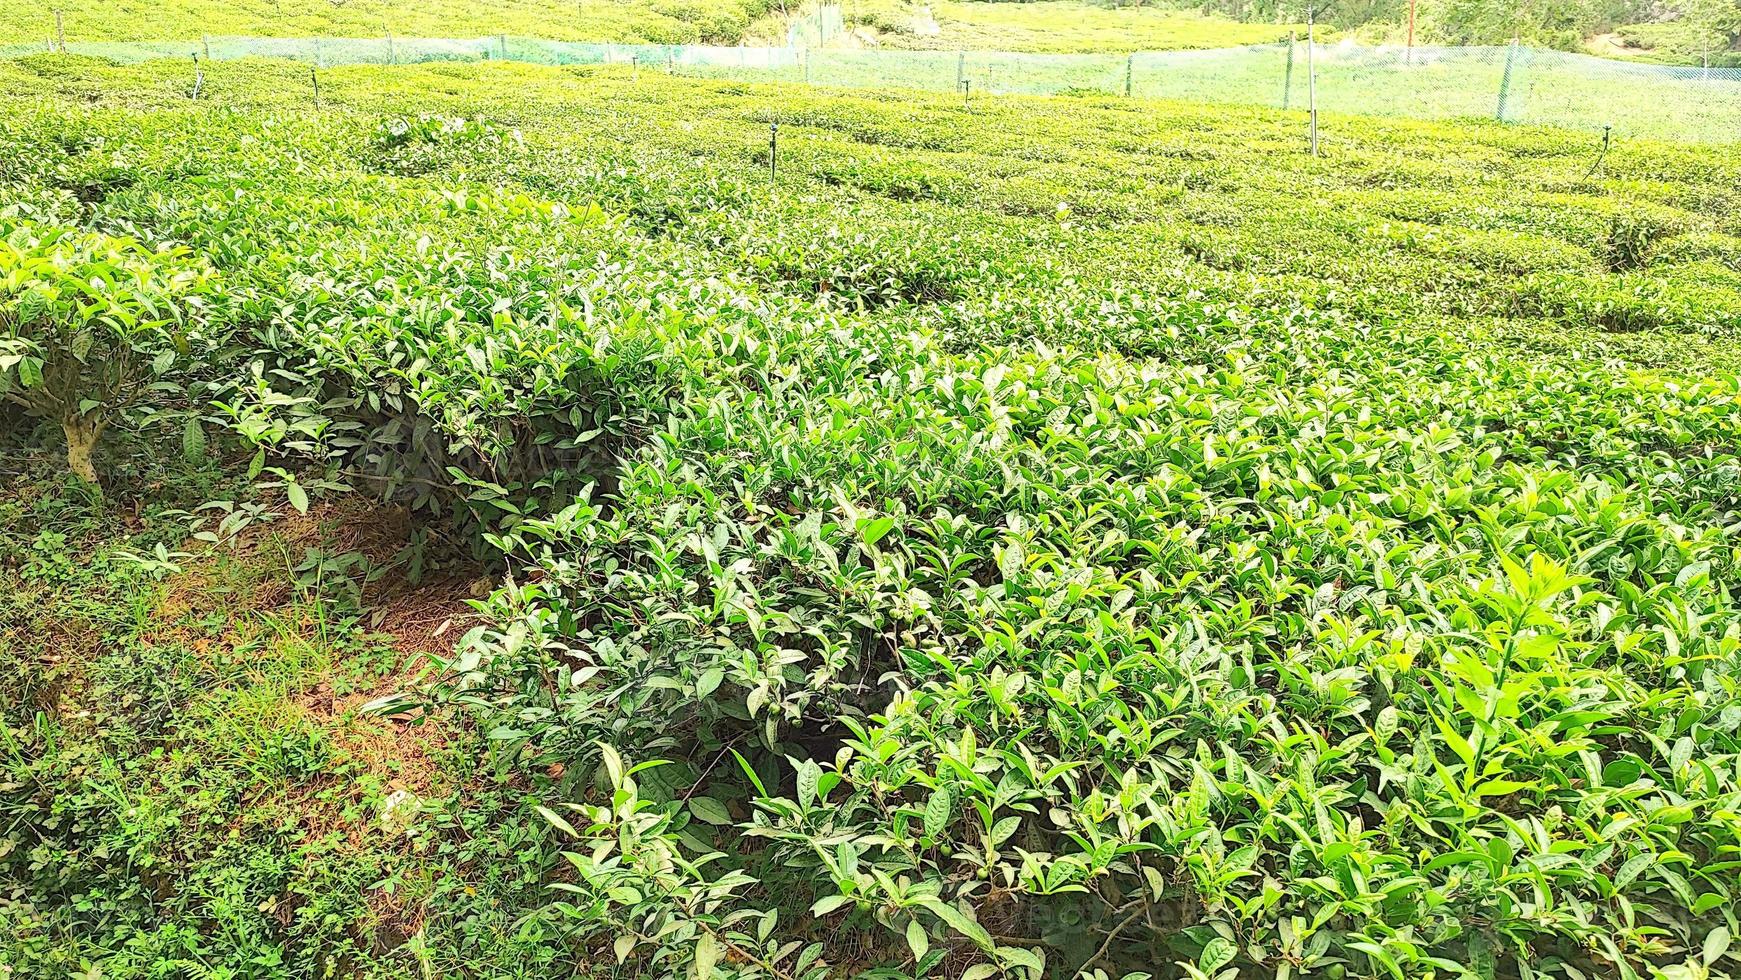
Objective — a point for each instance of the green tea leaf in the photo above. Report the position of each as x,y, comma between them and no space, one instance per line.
1716,945
873,529
1217,953
706,955
298,496
710,811
917,940
937,811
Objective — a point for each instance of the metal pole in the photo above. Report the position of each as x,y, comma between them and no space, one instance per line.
773,151
960,67
1288,75
60,30
807,66
199,79
1505,79
392,55
317,63
1129,65
503,40
1607,141
205,43
1312,75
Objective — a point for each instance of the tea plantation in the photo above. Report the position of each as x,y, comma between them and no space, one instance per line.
656,21
1033,538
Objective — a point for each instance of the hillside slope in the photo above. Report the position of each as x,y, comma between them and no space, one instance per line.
1053,26
1680,31
657,21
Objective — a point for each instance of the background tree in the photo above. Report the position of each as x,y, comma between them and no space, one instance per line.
1556,23
1721,18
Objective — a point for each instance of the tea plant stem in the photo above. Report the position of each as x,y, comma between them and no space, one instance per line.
1492,711
1106,944
717,756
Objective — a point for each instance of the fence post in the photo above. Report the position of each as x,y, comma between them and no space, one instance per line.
502,40
1312,76
392,55
1505,79
807,66
60,30
960,68
1409,54
1129,68
205,43
1288,74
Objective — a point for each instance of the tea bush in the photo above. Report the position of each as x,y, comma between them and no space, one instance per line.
409,147
1703,297
1070,538
88,323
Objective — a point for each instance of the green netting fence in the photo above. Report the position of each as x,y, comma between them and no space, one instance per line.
1510,83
